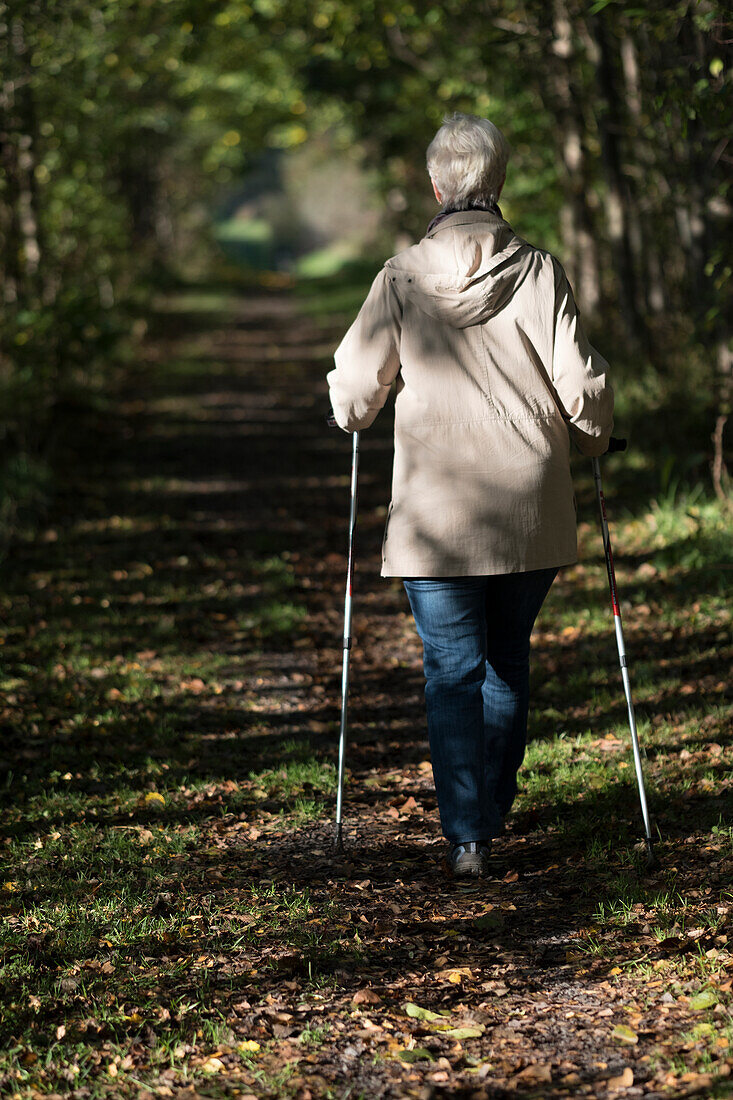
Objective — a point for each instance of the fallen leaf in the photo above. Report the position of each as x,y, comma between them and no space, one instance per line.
213,1065
497,989
410,806
489,922
419,1054
249,1046
195,684
624,1081
455,974
625,1034
463,1032
674,944
366,997
537,1074
418,1013
706,998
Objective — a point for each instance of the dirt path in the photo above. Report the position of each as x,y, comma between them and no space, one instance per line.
201,551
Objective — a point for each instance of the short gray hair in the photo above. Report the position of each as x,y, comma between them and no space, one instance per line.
467,158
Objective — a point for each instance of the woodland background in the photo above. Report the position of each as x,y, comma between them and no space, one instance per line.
195,196
127,127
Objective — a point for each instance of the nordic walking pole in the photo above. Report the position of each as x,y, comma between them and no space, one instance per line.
338,838
620,445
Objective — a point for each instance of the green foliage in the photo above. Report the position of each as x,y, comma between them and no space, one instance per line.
115,116
122,121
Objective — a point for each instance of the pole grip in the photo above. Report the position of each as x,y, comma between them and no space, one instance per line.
616,445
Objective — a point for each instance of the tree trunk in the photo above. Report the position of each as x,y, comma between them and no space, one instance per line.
577,223
645,246
23,121
10,252
619,202
724,401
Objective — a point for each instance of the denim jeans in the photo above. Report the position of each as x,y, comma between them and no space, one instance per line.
475,633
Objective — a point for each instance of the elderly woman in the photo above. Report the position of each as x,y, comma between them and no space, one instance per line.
494,377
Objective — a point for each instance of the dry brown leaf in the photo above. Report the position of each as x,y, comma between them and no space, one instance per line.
624,1081
536,1074
410,806
366,997
455,974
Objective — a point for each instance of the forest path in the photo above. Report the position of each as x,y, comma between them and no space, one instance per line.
172,680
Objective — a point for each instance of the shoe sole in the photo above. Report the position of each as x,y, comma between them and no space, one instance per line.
475,868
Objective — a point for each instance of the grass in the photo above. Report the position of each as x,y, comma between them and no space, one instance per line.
324,295
168,725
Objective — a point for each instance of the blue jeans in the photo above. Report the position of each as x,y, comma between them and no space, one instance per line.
475,633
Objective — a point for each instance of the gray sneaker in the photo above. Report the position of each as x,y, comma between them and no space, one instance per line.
471,858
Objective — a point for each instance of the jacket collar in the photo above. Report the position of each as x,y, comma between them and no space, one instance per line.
462,217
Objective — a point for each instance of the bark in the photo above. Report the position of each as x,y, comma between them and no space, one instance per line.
577,222
707,222
644,242
723,407
10,253
23,120
700,181
619,201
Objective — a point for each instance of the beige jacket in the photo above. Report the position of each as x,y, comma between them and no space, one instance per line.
494,376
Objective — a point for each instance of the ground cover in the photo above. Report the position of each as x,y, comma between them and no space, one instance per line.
174,920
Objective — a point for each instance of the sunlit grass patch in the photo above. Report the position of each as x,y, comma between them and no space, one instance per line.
297,778
323,294
168,898
272,618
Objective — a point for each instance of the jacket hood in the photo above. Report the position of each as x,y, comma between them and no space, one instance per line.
481,283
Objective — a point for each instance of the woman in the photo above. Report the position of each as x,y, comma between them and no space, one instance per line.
494,377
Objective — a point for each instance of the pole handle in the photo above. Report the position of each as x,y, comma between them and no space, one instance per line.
616,445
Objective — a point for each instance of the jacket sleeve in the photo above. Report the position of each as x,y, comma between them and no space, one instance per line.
584,394
368,358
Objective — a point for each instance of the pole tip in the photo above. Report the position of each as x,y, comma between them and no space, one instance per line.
338,841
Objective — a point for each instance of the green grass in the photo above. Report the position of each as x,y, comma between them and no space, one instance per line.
164,704
331,295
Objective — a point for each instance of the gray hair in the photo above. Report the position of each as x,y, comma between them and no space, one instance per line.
467,159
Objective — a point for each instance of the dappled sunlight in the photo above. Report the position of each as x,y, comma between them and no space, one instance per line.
173,646
194,202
